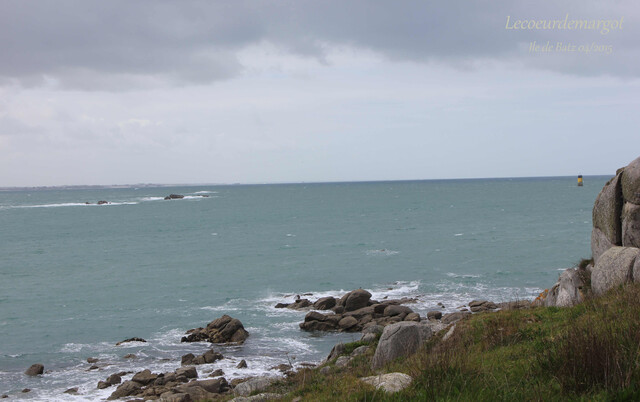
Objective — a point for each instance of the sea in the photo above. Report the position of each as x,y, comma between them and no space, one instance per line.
76,278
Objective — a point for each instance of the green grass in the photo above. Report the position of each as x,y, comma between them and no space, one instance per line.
587,352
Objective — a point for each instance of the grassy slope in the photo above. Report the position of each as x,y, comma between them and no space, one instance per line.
587,352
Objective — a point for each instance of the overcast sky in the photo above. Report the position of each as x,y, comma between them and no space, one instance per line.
117,92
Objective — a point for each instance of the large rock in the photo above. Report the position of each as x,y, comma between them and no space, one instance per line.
252,385
355,300
630,225
222,330
126,389
215,386
606,215
568,291
400,339
390,382
35,369
631,182
613,268
144,377
324,303
599,243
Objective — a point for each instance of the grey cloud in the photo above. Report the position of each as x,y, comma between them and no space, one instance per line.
115,45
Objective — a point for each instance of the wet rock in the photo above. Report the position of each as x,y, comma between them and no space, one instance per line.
214,386
129,356
217,373
127,388
174,197
25,390
242,364
102,202
325,303
144,377
92,360
281,305
35,369
222,330
130,340
347,322
114,379
355,300
72,391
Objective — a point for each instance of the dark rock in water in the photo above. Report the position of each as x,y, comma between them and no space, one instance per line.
242,364
222,330
25,390
102,202
144,377
355,300
92,360
188,372
174,197
129,356
324,303
217,373
187,359
114,379
72,391
6,396
282,305
208,357
94,367
103,385
130,340
35,369
300,304
127,388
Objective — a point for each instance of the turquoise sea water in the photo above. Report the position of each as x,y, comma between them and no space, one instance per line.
76,278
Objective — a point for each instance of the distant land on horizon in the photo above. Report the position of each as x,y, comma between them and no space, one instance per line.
161,185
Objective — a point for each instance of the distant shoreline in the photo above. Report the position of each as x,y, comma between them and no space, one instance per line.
159,185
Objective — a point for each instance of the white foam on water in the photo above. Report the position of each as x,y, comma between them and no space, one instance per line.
205,192
458,234
454,275
151,198
381,252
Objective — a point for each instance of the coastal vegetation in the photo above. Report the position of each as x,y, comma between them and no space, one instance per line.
590,351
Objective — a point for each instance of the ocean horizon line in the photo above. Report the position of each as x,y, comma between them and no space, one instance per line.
224,184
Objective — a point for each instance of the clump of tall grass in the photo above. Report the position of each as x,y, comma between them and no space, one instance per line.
601,348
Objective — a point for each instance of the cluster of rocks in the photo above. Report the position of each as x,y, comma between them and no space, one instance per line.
180,385
225,330
180,196
208,357
353,312
615,243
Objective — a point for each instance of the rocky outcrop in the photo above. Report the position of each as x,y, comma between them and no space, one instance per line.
398,340
355,311
35,369
615,243
174,197
130,340
207,357
225,329
390,382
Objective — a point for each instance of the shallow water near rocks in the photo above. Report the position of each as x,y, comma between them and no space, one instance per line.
77,278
